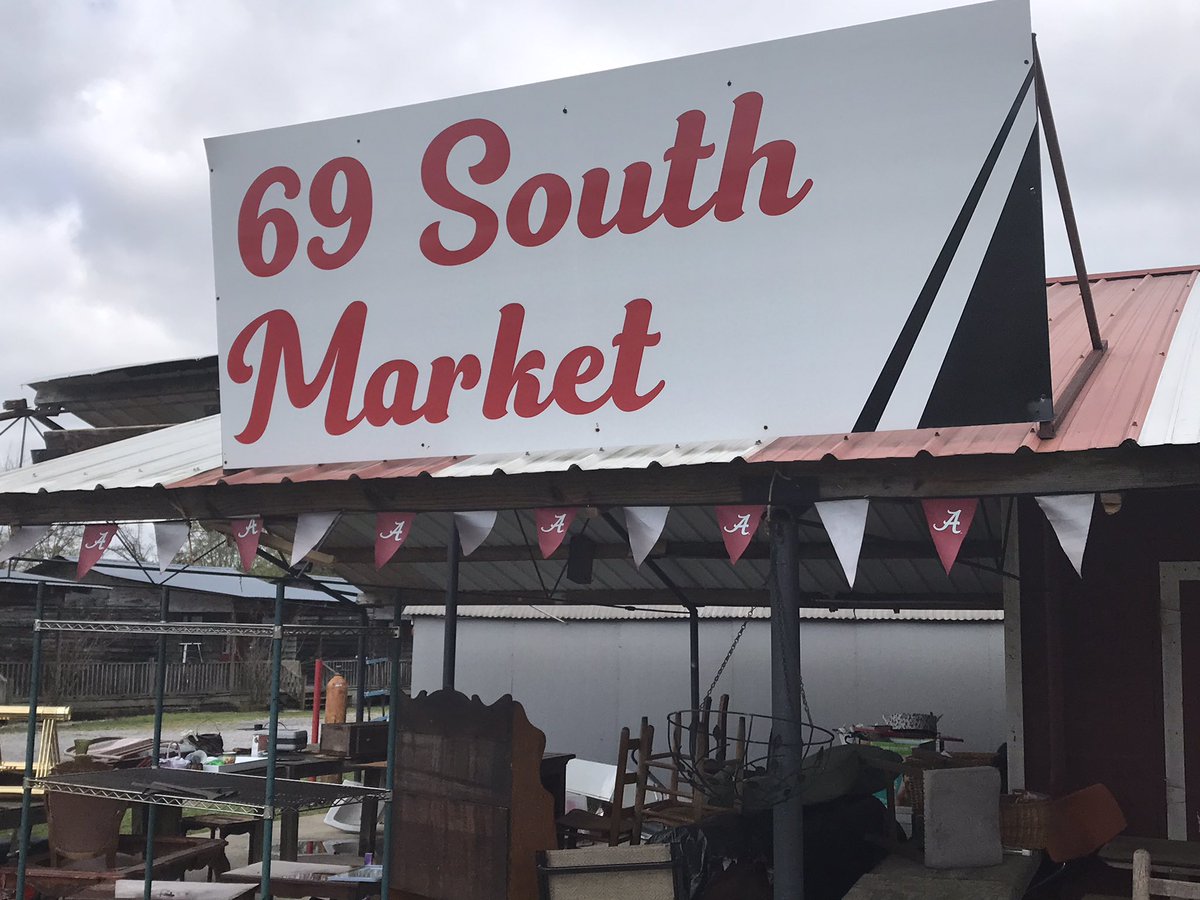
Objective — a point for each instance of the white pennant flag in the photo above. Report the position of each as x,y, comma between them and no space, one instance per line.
22,539
845,522
169,538
311,529
645,525
473,528
1071,517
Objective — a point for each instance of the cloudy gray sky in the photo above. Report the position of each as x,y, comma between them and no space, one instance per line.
105,253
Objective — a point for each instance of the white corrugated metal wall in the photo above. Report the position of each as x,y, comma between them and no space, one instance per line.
581,681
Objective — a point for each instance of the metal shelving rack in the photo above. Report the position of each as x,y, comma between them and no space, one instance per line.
277,793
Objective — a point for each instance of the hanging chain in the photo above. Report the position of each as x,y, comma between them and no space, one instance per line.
725,661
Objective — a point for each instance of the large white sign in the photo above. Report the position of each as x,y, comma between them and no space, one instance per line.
808,236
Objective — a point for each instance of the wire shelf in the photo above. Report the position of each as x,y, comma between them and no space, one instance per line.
170,787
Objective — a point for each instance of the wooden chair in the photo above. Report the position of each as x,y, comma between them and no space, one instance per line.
658,774
619,823
1146,886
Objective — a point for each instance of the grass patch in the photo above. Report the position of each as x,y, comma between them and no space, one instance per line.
175,723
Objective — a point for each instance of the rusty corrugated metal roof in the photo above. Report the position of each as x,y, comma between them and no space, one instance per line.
1139,314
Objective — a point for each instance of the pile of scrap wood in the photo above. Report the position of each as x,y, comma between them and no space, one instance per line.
121,752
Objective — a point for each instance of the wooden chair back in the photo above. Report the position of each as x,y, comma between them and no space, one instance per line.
626,820
674,802
1146,885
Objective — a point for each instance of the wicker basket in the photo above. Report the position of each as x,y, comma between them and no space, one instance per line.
1025,820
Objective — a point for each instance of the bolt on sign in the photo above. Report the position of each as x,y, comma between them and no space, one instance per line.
834,232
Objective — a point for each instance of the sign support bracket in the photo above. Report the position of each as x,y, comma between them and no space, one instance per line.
1070,393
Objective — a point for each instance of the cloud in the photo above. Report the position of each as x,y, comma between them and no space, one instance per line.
105,254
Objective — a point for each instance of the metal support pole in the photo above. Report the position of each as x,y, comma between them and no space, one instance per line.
264,885
694,653
360,688
681,596
160,686
1054,151
450,638
787,751
35,683
393,727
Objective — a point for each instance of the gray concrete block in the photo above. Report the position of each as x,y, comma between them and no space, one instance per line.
962,817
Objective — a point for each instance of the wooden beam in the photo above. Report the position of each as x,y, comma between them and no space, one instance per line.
1025,473
873,548
624,597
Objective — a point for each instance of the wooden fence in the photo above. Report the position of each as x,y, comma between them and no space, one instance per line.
379,675
236,683
72,683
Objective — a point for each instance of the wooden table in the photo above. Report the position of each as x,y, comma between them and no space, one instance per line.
1166,857
10,814
173,857
554,779
222,825
294,766
297,879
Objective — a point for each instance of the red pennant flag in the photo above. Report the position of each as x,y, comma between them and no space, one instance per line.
246,534
949,521
738,526
96,539
391,531
552,527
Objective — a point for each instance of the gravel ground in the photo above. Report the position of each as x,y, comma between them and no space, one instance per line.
234,728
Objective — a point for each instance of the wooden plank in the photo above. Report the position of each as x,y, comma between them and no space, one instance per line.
18,711
1122,468
713,597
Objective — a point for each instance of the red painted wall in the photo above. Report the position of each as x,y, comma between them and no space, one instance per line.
1091,650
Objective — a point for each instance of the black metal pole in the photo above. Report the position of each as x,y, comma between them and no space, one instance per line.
450,638
35,678
393,726
681,596
360,687
264,884
694,651
160,685
1054,151
787,752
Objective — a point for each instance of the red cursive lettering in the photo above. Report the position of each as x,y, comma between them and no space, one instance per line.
515,380
437,185
632,215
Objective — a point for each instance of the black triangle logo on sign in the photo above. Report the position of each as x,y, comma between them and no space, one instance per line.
1002,337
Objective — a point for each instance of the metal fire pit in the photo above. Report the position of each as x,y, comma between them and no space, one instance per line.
742,769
